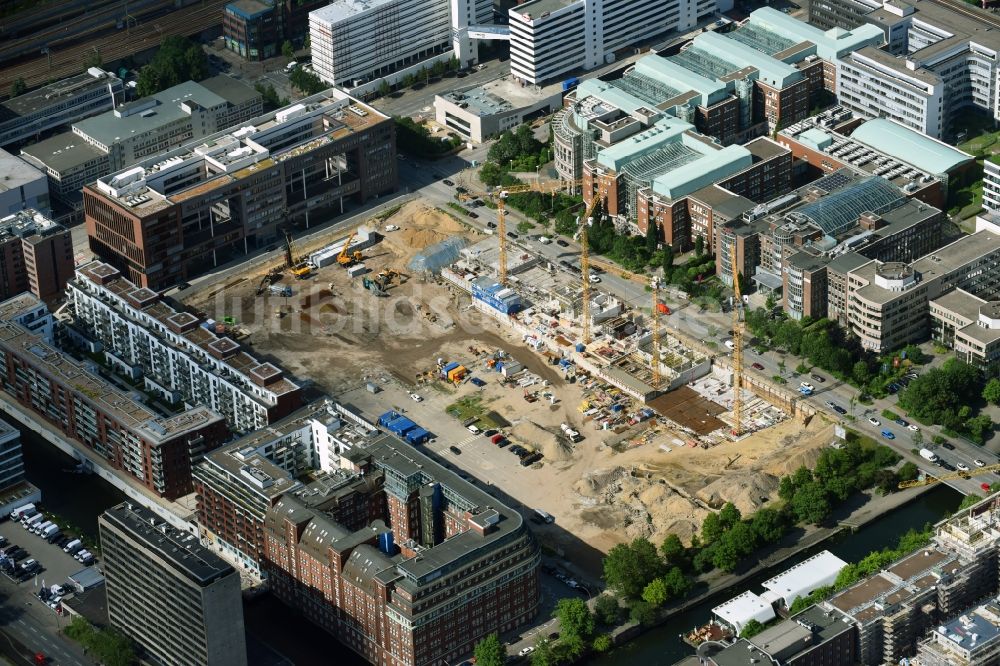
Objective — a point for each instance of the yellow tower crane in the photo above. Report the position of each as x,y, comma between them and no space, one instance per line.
655,313
501,195
585,223
929,479
737,346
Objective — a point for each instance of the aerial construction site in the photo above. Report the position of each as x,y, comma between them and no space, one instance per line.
526,376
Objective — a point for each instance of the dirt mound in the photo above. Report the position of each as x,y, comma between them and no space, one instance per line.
421,226
543,440
747,489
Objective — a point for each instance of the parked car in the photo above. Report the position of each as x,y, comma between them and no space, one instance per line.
473,215
948,445
913,427
874,421
525,651
512,235
807,386
392,227
903,422
448,182
757,366
561,243
818,378
416,397
454,449
979,463
962,467
888,434
491,225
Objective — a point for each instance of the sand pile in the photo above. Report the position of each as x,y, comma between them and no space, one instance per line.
421,226
541,439
747,489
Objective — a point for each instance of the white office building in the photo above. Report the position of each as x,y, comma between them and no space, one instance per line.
355,42
552,38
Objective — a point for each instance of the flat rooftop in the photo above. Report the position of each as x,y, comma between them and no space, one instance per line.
344,10
898,63
961,303
63,152
539,7
15,172
501,95
56,93
181,551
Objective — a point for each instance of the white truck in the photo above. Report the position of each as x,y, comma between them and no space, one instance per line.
51,533
927,454
38,527
73,547
28,523
573,435
22,511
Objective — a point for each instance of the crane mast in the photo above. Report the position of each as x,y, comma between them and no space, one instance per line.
655,284
737,346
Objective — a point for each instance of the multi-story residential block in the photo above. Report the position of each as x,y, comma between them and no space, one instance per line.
175,353
121,137
972,639
21,186
11,461
888,302
936,62
153,449
176,215
814,637
399,558
36,255
355,42
970,326
732,86
25,118
924,168
176,599
787,245
256,29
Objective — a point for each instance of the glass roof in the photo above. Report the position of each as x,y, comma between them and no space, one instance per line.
840,210
645,88
662,160
761,39
703,63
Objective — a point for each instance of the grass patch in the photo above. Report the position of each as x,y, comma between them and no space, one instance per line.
889,414
388,212
471,407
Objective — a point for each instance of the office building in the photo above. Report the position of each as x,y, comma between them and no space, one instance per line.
936,62
11,462
175,353
185,211
155,450
814,637
21,186
888,302
784,68
376,550
354,42
176,599
787,245
36,255
142,129
970,326
25,118
483,112
550,39
924,168
256,29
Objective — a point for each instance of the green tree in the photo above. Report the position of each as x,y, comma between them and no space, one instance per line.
810,503
93,59
177,60
652,236
729,515
908,472
968,501
543,656
384,88
607,609
19,87
940,393
307,43
677,584
643,613
751,629
673,550
629,568
979,427
991,392
668,261
490,651
711,528
287,49
656,592
603,643
699,245
575,618
307,82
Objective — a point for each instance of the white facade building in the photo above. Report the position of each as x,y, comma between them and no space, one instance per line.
178,357
551,38
21,186
991,186
354,42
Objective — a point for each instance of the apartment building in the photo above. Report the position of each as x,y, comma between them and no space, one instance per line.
784,67
173,597
888,302
25,118
786,245
970,326
972,638
937,62
354,42
153,449
36,255
399,558
23,186
553,38
123,136
924,168
11,461
991,185
186,211
175,353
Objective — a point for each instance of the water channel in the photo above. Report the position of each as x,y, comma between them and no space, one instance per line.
79,499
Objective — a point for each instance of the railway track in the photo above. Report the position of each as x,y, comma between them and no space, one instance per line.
60,63
966,9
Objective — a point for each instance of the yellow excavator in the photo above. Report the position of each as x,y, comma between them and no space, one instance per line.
346,258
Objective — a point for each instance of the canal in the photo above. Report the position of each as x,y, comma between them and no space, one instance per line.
662,646
79,499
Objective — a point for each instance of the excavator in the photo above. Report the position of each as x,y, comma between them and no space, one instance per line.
346,258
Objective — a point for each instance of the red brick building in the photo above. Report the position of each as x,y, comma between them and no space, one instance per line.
36,255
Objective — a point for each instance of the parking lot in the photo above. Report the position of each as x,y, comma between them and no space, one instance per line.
56,566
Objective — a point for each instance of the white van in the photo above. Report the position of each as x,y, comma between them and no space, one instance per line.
544,240
290,66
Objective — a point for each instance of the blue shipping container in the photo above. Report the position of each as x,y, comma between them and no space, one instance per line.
417,436
569,83
401,426
451,366
387,417
580,347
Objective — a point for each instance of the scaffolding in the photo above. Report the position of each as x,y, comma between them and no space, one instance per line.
761,39
646,88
